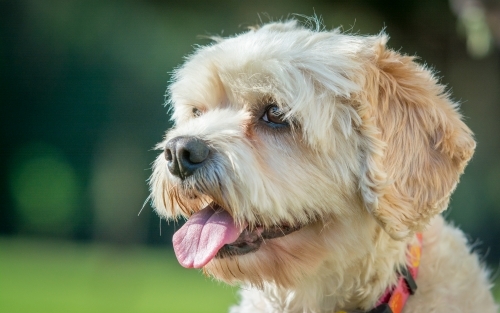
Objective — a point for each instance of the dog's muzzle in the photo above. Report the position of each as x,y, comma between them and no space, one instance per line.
185,155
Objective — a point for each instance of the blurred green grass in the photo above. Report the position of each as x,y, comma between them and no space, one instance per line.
60,276
52,276
496,290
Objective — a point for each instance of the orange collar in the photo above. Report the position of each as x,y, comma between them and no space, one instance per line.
394,298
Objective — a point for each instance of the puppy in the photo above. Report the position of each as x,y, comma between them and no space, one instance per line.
310,164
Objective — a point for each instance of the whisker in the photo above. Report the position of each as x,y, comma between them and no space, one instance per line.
281,230
144,204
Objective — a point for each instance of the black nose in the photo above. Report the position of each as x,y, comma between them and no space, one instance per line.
185,155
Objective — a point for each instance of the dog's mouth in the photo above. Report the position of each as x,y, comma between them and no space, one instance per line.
251,239
212,233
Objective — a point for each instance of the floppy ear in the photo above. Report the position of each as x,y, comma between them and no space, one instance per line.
416,144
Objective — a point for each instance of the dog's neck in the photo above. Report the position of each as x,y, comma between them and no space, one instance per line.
347,284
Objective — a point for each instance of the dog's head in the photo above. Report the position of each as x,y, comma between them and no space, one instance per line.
293,145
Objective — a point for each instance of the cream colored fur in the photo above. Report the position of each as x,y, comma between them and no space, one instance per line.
373,151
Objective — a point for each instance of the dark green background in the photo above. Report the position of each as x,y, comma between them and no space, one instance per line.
82,85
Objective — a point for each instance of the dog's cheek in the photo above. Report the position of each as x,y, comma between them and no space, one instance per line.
306,183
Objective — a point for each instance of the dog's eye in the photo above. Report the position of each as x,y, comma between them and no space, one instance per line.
196,112
274,115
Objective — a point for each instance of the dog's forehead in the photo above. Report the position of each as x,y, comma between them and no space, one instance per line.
280,60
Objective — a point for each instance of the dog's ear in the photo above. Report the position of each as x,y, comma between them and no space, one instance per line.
416,144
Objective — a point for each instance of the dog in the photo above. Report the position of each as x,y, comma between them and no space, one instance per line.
312,167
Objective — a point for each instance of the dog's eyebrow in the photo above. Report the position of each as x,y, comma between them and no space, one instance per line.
272,100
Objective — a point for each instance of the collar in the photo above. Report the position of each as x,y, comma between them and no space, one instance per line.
394,298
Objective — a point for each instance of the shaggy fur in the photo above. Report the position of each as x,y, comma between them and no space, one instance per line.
373,150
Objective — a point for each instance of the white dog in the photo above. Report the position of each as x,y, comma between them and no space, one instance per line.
310,164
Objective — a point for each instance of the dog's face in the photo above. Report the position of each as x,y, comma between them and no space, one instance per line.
292,147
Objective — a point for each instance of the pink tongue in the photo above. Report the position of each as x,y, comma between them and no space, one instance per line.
197,242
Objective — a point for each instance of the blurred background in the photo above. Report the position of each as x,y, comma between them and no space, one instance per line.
82,85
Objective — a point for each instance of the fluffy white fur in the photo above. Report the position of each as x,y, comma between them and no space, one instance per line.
373,150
